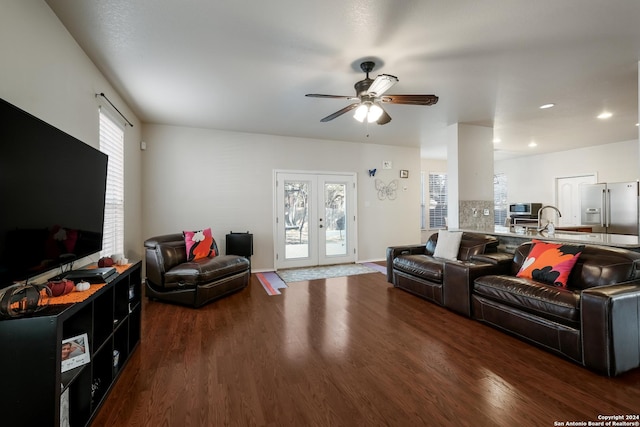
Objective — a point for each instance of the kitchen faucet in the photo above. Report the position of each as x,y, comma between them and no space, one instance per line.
540,227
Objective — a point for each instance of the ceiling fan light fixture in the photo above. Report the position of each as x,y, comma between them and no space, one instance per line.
361,113
369,94
374,113
368,110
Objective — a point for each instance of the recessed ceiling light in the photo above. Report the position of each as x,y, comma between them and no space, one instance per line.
533,144
545,106
497,140
605,115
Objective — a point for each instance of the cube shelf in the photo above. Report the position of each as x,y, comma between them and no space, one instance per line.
32,347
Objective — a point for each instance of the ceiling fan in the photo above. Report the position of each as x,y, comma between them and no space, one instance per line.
369,94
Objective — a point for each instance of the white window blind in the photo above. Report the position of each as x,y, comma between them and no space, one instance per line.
438,203
423,201
500,208
112,144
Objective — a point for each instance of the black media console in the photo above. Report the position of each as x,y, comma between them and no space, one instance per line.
33,386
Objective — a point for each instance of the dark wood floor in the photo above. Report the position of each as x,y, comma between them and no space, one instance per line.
347,352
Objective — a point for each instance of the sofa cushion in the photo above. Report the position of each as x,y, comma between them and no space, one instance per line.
204,270
448,244
550,263
470,244
550,302
596,266
200,244
424,266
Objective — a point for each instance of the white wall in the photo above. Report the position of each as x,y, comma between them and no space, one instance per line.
197,178
45,73
453,176
475,162
532,178
434,165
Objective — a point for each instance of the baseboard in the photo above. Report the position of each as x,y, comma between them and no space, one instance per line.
362,261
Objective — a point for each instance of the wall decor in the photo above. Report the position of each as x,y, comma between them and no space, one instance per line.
372,172
386,164
387,191
404,173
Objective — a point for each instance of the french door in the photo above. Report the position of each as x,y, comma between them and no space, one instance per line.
315,219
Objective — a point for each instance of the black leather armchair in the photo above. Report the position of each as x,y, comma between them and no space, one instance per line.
171,278
414,269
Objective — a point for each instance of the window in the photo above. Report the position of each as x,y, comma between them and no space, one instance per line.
500,207
112,144
423,202
437,200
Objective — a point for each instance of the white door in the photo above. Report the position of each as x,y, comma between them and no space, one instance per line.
315,219
568,197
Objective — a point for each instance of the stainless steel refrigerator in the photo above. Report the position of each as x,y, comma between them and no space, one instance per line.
610,207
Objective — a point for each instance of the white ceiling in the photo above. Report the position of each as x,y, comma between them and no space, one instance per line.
245,65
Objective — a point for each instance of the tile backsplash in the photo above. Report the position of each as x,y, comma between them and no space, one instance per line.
472,214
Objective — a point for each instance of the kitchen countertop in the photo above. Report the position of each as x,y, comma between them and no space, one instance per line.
605,239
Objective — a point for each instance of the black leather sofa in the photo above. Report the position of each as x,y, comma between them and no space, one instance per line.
171,278
594,321
414,269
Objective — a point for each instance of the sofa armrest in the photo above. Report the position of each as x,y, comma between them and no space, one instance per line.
610,325
457,282
496,258
395,251
161,254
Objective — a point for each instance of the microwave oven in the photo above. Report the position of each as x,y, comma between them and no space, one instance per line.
524,209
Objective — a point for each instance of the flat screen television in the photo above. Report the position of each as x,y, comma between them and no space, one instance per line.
52,197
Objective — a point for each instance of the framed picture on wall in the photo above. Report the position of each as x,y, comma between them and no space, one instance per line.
404,173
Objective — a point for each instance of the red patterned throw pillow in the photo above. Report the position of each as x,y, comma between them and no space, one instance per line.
550,262
200,244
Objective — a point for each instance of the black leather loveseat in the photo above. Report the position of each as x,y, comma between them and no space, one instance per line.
171,278
594,320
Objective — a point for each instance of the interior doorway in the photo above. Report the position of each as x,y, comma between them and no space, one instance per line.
315,220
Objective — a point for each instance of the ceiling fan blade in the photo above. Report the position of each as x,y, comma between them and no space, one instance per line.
381,84
410,99
319,95
384,118
340,112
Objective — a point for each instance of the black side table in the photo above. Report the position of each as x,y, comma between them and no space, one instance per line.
240,244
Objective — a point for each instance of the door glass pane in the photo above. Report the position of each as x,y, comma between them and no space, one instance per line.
296,215
335,219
